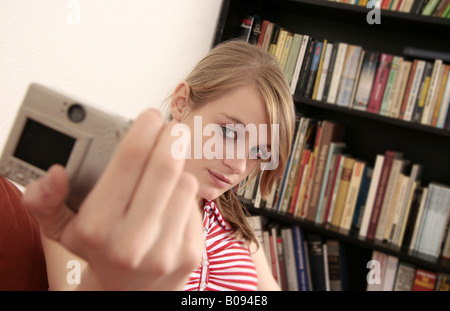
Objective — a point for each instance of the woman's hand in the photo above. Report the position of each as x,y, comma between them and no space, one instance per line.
140,227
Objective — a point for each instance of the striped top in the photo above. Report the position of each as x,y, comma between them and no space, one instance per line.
227,263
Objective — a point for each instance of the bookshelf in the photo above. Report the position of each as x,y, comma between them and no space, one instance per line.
367,134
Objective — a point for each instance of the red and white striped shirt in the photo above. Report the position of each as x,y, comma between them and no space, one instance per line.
227,263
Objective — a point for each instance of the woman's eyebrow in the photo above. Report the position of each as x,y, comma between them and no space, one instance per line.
236,120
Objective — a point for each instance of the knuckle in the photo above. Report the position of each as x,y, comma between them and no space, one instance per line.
90,234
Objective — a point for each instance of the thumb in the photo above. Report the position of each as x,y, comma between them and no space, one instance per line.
45,199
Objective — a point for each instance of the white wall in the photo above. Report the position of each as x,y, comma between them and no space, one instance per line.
124,56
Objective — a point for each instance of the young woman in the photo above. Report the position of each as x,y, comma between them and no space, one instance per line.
140,227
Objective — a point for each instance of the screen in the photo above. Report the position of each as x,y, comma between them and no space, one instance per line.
42,146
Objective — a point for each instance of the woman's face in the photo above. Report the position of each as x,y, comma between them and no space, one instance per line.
226,139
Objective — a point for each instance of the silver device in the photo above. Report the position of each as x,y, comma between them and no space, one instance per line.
50,128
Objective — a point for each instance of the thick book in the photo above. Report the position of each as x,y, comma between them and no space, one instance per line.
398,167
404,279
301,257
379,83
434,220
371,195
412,216
433,90
313,69
337,72
299,64
352,194
422,94
424,280
390,85
399,90
416,79
330,72
334,149
344,183
289,259
337,265
365,83
319,69
440,100
362,197
316,261
348,77
325,69
389,157
330,132
306,67
293,56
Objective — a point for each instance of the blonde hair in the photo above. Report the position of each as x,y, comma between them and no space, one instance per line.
233,64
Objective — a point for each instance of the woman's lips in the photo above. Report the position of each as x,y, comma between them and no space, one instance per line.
219,179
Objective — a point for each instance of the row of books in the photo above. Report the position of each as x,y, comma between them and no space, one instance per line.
409,87
297,259
307,261
437,8
388,273
385,201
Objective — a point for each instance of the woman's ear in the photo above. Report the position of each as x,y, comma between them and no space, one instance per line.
180,101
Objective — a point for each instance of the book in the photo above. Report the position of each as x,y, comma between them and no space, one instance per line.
286,49
379,83
317,56
415,233
388,92
443,113
365,83
316,261
330,132
293,57
325,69
299,64
434,220
337,265
398,167
423,90
337,72
412,216
442,282
389,157
352,194
319,69
306,67
330,72
344,183
334,149
334,186
371,195
301,256
246,28
289,259
399,89
390,273
424,280
348,77
404,279
362,198
440,100
402,203
431,96
413,90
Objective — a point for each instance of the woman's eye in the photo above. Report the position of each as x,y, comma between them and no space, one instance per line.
259,153
229,133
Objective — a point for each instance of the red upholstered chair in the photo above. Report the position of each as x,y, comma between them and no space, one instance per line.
22,261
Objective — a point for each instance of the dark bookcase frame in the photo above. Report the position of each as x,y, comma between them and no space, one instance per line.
366,134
